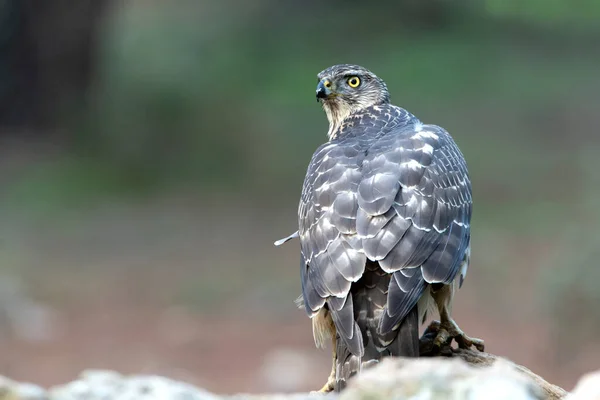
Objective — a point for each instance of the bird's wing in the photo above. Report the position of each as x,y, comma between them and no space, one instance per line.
414,211
331,258
402,199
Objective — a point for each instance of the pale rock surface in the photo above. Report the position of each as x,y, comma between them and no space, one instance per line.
109,385
588,387
399,379
441,379
11,390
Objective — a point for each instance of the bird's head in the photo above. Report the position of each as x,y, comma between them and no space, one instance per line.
345,89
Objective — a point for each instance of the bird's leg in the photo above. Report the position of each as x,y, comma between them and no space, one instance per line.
447,328
329,385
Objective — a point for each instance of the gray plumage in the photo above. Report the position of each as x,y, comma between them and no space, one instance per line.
384,212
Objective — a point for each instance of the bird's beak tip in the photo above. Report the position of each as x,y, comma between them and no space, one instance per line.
322,91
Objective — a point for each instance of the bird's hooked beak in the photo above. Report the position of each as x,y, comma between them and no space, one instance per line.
324,89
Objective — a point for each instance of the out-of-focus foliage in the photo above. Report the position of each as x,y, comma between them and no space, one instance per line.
570,14
568,289
165,71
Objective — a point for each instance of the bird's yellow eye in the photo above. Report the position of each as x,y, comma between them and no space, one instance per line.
354,81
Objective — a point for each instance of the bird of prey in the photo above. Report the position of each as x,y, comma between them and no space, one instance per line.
384,226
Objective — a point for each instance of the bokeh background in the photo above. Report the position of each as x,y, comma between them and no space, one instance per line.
151,152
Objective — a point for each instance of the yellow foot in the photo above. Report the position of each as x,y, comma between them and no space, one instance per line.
328,386
449,330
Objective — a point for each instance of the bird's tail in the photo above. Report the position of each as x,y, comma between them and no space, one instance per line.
369,301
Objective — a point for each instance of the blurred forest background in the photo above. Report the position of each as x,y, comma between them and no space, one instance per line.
151,152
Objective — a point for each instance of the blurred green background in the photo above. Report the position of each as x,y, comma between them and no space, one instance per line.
151,152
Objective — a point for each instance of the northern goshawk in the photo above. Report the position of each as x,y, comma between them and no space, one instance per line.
384,226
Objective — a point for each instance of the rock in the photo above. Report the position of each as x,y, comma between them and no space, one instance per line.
109,385
11,390
29,391
483,377
443,379
588,387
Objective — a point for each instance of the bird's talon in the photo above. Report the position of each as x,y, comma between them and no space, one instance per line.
327,387
479,344
449,331
466,342
442,338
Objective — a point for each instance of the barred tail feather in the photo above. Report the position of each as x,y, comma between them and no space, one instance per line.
370,297
404,344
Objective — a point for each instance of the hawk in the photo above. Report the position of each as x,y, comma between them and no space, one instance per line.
384,226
